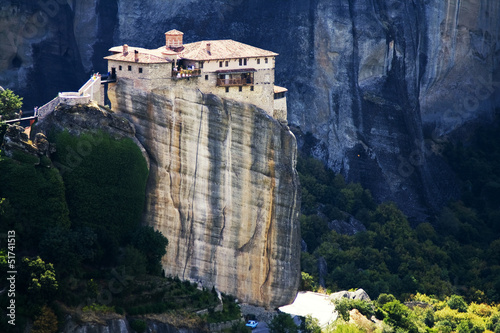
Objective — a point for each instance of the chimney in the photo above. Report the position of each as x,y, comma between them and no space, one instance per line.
173,39
136,56
125,50
209,49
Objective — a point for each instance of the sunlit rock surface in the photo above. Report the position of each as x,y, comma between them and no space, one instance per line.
223,189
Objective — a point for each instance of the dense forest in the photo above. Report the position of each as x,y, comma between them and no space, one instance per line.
455,254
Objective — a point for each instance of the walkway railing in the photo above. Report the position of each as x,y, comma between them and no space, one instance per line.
185,73
10,121
234,82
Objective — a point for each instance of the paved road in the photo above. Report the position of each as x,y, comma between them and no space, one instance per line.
261,328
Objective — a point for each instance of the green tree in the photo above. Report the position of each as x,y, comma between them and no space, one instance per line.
282,323
307,282
398,315
467,326
311,325
456,302
138,325
153,245
343,306
10,104
45,322
39,279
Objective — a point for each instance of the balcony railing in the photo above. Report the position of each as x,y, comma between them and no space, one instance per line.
185,73
234,82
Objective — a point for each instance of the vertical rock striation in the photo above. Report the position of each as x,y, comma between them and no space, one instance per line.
370,79
223,189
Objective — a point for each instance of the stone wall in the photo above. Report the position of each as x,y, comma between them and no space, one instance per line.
280,110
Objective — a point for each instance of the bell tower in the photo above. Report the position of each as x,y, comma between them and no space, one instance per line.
173,39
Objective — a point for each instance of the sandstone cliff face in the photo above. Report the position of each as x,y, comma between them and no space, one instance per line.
223,189
371,80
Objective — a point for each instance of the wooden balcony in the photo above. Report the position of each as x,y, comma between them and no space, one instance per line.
235,82
186,73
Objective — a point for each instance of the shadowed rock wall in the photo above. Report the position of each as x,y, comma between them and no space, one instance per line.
374,81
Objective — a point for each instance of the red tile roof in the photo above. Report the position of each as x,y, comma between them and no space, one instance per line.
222,49
174,32
144,58
218,50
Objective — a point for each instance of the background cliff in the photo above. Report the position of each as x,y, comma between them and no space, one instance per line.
222,188
376,82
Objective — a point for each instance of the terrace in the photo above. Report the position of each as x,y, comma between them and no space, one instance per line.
186,73
228,78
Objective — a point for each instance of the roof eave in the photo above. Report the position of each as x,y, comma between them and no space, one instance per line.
137,62
224,58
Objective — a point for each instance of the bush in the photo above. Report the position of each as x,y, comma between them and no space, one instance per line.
467,326
346,328
138,325
240,327
10,104
38,278
311,325
397,315
45,322
282,323
153,244
345,305
456,302
307,282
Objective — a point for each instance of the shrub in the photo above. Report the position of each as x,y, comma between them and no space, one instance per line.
311,325
307,282
282,323
346,328
385,298
240,327
10,104
345,305
467,326
45,322
398,316
456,302
138,325
153,244
98,308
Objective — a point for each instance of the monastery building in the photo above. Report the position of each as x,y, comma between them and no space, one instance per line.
223,67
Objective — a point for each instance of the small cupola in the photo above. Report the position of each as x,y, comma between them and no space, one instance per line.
173,39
